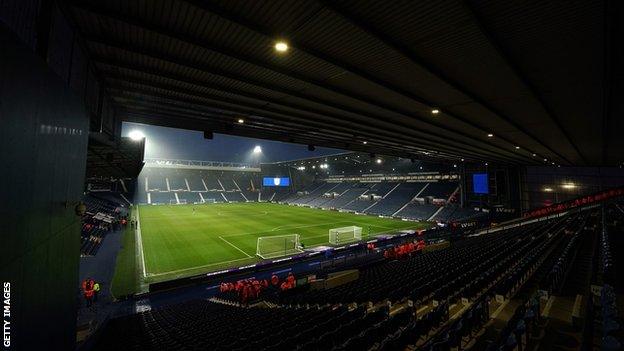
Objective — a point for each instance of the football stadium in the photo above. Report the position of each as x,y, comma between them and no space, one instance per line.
286,175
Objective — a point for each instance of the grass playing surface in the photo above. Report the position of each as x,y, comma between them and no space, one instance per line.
177,241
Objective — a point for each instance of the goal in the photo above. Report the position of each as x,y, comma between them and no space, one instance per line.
182,202
278,246
344,235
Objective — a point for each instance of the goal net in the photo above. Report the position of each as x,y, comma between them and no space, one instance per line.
278,246
344,235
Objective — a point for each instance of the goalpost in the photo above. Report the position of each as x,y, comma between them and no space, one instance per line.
344,235
278,246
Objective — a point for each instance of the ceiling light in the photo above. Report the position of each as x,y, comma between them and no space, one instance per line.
378,160
568,186
364,142
435,111
241,121
281,46
534,155
490,135
517,147
548,190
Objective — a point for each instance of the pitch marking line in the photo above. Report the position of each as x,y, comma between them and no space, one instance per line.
140,242
240,259
234,246
197,267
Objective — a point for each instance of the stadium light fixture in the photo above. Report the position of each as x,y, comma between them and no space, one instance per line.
490,135
568,186
136,135
548,190
378,160
517,147
281,46
364,142
435,111
257,149
241,121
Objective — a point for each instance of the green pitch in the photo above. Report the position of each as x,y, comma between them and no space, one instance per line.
177,240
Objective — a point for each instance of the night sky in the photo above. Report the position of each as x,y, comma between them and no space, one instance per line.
170,143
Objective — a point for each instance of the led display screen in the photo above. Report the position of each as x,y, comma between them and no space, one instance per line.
480,183
268,181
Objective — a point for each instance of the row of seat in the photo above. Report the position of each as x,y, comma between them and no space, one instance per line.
93,230
424,275
325,320
606,320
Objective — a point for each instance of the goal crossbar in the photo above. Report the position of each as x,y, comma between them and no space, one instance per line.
344,235
268,247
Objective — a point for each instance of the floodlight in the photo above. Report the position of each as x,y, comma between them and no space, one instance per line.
136,135
257,149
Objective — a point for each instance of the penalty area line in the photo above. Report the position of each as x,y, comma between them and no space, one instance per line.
234,246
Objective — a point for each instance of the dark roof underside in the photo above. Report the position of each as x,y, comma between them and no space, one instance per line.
543,76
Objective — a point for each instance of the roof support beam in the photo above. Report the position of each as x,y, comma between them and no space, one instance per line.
270,66
268,32
375,134
402,129
289,92
332,121
521,75
176,120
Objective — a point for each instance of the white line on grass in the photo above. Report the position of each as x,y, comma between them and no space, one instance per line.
234,246
140,242
197,267
248,257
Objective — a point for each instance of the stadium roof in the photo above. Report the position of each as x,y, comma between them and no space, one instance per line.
542,77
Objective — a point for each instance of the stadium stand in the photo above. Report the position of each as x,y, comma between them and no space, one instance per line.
417,211
411,200
395,198
452,213
378,310
101,216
